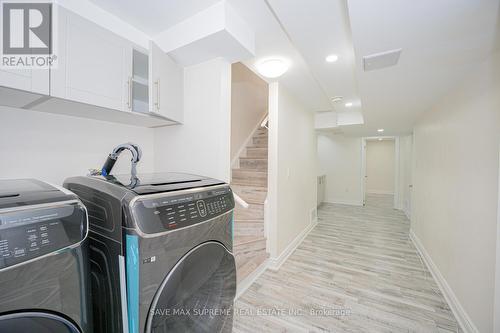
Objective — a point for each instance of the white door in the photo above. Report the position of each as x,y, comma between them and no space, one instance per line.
95,65
167,85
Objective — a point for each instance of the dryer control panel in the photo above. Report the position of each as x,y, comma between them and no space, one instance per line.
31,233
178,211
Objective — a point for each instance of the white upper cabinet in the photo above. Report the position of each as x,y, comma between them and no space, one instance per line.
33,80
94,64
166,85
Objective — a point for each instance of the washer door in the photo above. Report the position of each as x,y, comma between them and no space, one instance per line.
39,322
198,293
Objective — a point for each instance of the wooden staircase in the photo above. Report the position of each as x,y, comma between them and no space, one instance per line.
249,181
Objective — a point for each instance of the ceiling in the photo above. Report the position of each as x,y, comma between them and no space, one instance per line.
271,41
441,41
153,16
323,29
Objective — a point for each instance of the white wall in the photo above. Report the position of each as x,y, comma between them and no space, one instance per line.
292,168
202,144
454,210
380,166
249,98
53,147
339,158
405,174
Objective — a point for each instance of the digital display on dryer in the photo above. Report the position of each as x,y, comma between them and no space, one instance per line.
28,234
176,212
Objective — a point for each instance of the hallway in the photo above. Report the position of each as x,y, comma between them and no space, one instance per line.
357,271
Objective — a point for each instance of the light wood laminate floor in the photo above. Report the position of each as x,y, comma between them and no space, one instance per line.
357,271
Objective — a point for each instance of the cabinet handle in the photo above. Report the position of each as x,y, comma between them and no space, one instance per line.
157,104
129,99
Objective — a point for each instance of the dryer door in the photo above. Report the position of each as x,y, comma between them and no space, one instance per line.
198,293
39,322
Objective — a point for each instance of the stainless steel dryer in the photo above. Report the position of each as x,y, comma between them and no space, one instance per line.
44,276
161,252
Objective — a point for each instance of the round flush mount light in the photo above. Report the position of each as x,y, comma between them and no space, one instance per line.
380,130
273,68
348,104
332,58
337,99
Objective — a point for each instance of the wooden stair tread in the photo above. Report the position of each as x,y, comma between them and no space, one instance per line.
241,240
253,158
245,268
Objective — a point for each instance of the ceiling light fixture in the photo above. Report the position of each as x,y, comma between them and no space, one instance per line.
380,130
348,104
379,139
332,58
336,99
273,68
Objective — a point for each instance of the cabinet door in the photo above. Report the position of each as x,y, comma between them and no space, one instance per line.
33,80
167,85
94,64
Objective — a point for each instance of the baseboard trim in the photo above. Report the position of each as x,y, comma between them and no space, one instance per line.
276,263
462,317
250,279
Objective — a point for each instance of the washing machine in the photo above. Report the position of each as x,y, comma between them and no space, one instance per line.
44,272
160,251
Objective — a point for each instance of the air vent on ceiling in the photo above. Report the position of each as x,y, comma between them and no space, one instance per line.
381,60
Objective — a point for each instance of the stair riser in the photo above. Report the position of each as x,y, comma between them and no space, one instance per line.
249,214
254,164
250,181
260,141
247,177
257,152
249,231
261,133
248,248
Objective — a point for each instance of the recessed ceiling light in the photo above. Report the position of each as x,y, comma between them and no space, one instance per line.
348,104
272,68
337,99
332,58
380,130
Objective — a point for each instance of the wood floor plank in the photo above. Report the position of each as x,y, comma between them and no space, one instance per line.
357,271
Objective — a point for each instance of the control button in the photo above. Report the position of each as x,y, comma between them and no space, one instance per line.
33,246
202,208
19,252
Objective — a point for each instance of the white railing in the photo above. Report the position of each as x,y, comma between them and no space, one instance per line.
265,122
240,201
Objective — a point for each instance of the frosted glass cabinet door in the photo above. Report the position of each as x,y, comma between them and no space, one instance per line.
95,65
167,85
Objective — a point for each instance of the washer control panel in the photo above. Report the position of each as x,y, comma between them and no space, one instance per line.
174,212
28,234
